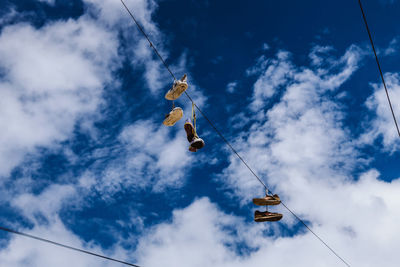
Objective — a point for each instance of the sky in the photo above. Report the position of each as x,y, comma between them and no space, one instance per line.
85,159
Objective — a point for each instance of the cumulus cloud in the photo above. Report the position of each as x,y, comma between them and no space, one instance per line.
202,234
199,235
50,85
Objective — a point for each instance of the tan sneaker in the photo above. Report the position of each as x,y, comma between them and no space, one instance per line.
174,116
177,89
266,216
267,200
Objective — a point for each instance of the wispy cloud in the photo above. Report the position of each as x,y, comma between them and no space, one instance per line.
382,125
230,87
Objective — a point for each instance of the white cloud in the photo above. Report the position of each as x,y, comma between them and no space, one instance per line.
275,72
150,156
318,53
383,124
195,237
25,252
47,204
230,87
392,48
113,14
302,133
56,83
43,211
51,84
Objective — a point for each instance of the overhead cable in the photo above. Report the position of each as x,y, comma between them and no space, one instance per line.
65,246
379,67
225,140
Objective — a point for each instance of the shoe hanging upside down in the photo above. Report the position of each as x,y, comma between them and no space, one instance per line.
195,141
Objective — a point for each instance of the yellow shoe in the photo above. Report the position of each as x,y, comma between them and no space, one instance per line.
174,116
177,89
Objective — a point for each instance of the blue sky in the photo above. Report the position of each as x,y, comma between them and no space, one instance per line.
85,159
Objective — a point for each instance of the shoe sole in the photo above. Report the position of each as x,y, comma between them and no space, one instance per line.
174,116
264,202
198,144
175,93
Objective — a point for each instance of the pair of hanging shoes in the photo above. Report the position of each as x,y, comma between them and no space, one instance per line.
264,216
194,140
176,114
174,93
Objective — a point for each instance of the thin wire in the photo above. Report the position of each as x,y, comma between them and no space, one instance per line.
379,67
230,146
65,246
320,239
148,39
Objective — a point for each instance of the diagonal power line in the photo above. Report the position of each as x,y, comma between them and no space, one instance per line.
226,141
65,246
379,67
